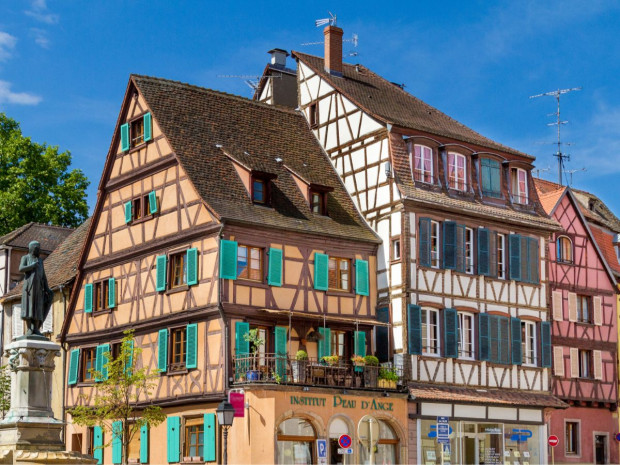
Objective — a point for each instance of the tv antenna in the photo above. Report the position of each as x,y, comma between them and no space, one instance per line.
253,81
322,22
571,172
541,170
559,155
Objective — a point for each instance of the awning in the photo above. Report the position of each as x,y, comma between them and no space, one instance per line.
320,317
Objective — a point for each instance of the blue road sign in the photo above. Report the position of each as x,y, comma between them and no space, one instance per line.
321,445
443,430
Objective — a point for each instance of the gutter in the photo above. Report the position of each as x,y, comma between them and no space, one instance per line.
63,353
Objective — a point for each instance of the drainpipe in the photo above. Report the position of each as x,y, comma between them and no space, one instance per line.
224,321
63,353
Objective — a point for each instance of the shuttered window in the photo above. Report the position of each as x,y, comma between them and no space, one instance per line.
144,444
414,329
514,245
449,245
516,340
162,350
484,341
484,262
545,332
191,350
495,334
117,442
128,212
152,203
103,357
325,348
228,259
382,335
161,265
210,432
280,344
361,277
174,439
451,323
88,298
321,271
572,307
274,276
125,137
597,310
558,361
242,349
490,178
192,266
424,242
74,365
557,300
465,335
111,293
598,364
148,127
129,358
98,444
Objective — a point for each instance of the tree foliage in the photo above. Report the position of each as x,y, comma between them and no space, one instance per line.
5,391
35,182
117,395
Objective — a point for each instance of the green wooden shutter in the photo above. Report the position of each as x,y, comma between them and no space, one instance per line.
74,362
129,358
382,335
192,266
359,345
494,339
515,337
504,340
414,329
424,242
514,245
449,245
485,175
128,212
325,342
545,333
280,347
274,277
451,325
148,128
484,342
210,433
525,266
105,358
117,442
533,260
484,267
461,247
98,444
191,346
111,293
125,137
174,439
321,271
144,443
228,259
162,350
361,277
161,263
88,298
242,349
99,364
152,203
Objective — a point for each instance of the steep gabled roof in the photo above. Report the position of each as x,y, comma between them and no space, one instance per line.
48,236
389,103
203,125
549,194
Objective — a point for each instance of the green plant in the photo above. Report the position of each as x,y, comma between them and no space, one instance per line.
358,360
371,360
301,355
5,390
330,359
253,337
277,378
388,374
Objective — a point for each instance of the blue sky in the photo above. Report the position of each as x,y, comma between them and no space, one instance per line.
64,65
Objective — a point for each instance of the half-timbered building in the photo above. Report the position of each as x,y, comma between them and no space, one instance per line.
224,238
584,333
462,264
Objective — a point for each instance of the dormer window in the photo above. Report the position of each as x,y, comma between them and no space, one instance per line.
136,132
317,202
490,178
518,185
457,171
261,187
422,164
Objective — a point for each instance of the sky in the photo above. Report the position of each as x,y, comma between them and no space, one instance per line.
65,65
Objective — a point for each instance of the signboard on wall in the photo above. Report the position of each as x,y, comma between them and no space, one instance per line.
237,400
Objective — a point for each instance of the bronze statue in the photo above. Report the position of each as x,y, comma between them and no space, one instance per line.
36,294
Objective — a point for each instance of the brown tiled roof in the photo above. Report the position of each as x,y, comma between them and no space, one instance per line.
431,392
202,124
61,265
548,193
604,241
595,210
48,236
389,103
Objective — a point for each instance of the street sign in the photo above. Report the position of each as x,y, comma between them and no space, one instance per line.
348,451
368,430
553,440
321,451
345,441
443,430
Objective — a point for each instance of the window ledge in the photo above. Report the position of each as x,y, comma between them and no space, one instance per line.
137,147
174,290
182,371
103,311
584,323
337,293
143,219
249,282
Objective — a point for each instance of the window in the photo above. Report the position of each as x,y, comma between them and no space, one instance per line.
177,348
564,250
585,357
499,339
263,334
528,342
466,335
490,176
338,344
258,191
194,438
88,364
430,332
501,256
90,446
178,270
457,171
434,244
317,202
617,248
140,207
137,132
518,182
339,273
313,114
295,440
572,437
583,309
395,249
133,454
101,295
423,164
250,263
469,251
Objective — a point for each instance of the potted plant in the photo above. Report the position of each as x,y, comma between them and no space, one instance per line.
358,361
331,360
388,378
370,371
299,366
256,342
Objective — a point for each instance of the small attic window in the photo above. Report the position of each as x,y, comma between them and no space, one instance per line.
261,187
136,132
313,115
318,198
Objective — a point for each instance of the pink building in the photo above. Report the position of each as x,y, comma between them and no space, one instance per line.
584,334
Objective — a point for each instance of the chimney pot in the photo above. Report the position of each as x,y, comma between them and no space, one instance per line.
278,57
333,50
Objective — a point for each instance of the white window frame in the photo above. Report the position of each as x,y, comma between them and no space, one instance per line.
501,256
469,250
430,339
396,251
422,175
455,182
588,362
528,343
466,336
435,239
518,195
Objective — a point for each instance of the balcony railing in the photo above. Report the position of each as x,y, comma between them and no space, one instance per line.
279,369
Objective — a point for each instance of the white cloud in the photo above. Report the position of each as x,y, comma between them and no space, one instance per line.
40,37
17,98
7,44
38,10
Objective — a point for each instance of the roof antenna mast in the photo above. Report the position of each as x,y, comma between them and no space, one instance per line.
559,155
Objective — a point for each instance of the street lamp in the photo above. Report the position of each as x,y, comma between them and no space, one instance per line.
225,416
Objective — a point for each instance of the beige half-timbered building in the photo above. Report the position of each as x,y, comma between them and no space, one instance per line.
218,218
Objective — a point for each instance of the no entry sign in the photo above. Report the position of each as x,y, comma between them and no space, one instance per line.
553,440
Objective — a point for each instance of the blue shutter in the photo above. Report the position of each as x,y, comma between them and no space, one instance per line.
483,336
148,128
125,137
228,259
325,346
88,298
516,339
414,329
210,432
117,442
382,335
361,277
74,363
545,333
161,264
424,242
321,271
274,276
280,345
191,346
451,325
144,443
484,267
98,444
174,439
449,245
152,203
128,215
162,350
111,293
514,245
192,266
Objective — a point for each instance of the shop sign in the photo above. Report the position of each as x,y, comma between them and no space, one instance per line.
341,402
237,400
520,435
443,430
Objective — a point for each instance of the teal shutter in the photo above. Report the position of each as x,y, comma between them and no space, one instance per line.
105,358
321,271
242,348
461,246
88,298
228,259
111,293
545,333
192,266
414,329
125,137
359,345
533,260
274,277
514,245
424,242
74,362
98,444
148,127
174,439
162,350
99,364
483,336
210,432
117,442
325,342
361,277
449,245
128,212
484,267
161,262
152,203
144,443
490,175
382,335
515,336
504,340
451,325
129,358
280,347
191,346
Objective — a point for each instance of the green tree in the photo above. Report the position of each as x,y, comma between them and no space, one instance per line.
117,395
35,182
5,391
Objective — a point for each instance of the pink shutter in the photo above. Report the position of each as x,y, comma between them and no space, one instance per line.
572,306
598,365
558,361
598,311
556,298
574,362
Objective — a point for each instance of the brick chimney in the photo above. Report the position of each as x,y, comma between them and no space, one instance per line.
333,50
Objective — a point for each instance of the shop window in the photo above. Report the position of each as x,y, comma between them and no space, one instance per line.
518,183
177,348
466,335
386,449
339,273
249,263
422,164
490,178
572,437
430,331
395,249
194,438
585,363
564,250
457,171
528,342
295,442
88,364
583,309
178,269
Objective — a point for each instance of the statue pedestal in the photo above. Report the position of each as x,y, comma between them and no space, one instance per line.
29,433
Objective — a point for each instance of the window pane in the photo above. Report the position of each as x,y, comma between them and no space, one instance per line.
242,262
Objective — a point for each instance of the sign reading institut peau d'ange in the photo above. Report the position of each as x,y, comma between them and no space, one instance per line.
341,402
